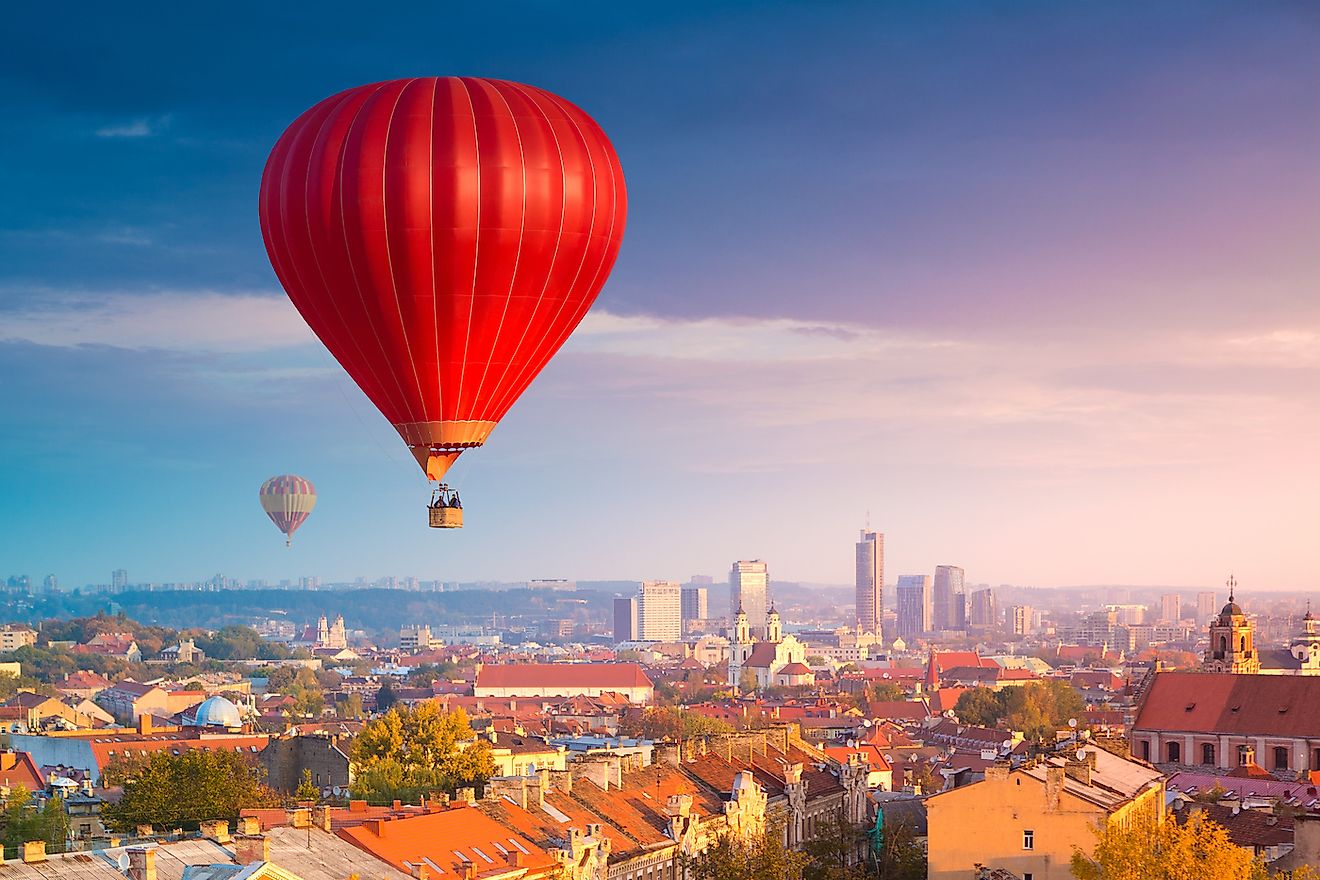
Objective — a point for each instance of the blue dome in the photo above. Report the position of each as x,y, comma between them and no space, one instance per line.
218,712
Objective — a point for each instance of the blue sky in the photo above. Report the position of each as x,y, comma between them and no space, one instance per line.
1033,283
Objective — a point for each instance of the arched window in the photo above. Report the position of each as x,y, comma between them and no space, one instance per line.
1223,645
1280,758
1207,753
1243,649
1175,753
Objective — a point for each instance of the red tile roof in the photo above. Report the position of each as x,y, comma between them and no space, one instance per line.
563,675
447,841
1208,702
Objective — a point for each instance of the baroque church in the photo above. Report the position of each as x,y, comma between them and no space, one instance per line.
777,661
1232,648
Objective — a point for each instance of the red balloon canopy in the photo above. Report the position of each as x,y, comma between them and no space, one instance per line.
443,236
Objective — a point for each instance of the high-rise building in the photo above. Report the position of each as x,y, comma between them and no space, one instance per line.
119,579
1170,608
695,603
958,611
1022,620
870,581
749,582
914,606
50,584
948,583
1205,606
984,610
660,611
625,618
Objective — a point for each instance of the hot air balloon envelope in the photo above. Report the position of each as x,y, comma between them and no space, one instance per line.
443,236
287,500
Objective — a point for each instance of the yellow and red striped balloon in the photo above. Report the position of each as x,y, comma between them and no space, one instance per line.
288,501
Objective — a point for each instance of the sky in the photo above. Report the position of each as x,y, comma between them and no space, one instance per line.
1029,286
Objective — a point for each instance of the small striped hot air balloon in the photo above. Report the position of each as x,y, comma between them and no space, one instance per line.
288,501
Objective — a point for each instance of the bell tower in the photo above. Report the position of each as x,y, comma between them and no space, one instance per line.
1232,647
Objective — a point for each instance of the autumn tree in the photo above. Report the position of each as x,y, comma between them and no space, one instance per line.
1165,850
756,857
836,850
349,707
671,722
307,790
22,822
886,692
413,751
184,790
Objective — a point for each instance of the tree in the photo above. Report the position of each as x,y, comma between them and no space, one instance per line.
349,707
23,822
886,692
413,751
385,698
898,855
307,790
747,682
670,722
1152,849
758,857
980,707
185,790
836,850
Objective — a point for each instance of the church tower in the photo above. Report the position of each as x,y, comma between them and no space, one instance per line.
1232,645
740,648
773,631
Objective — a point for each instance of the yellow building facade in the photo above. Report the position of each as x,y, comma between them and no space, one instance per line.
1028,820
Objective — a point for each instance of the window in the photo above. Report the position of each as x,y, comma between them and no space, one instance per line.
1026,876
1244,644
1207,753
1028,839
1175,753
1223,645
1145,751
1315,760
1280,758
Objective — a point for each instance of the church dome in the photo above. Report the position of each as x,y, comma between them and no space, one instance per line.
1231,610
217,712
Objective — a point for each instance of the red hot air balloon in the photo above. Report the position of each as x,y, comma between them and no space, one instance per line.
443,236
288,501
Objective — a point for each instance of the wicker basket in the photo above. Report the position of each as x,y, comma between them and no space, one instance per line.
446,517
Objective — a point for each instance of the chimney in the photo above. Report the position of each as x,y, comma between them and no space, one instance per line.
469,871
145,831
8,759
321,817
300,818
514,858
421,871
1053,787
35,851
249,825
1079,770
248,848
144,723
467,795
216,830
397,805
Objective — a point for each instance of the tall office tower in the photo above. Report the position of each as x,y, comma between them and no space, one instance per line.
958,611
625,619
695,603
749,581
1205,606
948,581
1170,608
1021,617
914,606
870,581
119,579
50,584
660,611
984,608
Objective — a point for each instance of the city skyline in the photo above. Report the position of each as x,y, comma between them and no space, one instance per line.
1077,308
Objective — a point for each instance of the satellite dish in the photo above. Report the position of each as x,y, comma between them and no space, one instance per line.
1072,722
866,722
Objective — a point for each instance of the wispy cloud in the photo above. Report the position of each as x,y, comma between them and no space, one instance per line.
172,321
142,127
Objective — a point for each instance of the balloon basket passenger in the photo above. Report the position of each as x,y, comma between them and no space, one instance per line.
445,509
